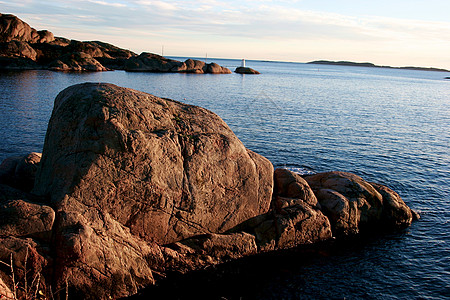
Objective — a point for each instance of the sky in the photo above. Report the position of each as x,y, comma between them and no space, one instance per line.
384,32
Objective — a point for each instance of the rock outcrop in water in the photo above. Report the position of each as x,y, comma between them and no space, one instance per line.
149,62
131,186
24,48
352,204
246,70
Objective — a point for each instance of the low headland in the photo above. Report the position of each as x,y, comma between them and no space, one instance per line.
371,65
24,48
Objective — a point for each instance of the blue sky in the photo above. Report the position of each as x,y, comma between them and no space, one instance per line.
397,33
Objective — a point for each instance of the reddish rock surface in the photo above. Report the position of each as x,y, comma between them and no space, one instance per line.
12,28
131,186
294,218
76,61
246,70
24,48
149,62
352,203
164,169
123,167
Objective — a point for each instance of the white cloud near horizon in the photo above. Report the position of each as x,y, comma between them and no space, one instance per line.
278,30
113,4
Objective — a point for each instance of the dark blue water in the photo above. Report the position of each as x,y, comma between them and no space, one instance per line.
388,126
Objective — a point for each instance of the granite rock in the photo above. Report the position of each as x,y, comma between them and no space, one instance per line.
353,204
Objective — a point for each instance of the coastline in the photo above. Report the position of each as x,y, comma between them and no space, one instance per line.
287,260
371,65
409,244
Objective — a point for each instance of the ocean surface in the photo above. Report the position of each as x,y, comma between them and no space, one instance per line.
388,126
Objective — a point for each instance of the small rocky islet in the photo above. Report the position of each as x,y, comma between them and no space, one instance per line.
131,187
246,70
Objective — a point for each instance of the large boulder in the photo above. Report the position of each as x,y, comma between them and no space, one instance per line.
396,214
200,67
290,185
192,66
123,167
213,68
353,204
164,169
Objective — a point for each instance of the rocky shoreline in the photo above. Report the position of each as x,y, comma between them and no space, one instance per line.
25,48
131,187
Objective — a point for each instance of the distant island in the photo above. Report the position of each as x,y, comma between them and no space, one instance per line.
371,65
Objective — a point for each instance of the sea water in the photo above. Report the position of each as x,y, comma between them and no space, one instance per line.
386,125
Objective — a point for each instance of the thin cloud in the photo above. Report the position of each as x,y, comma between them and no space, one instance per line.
281,26
107,3
157,4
